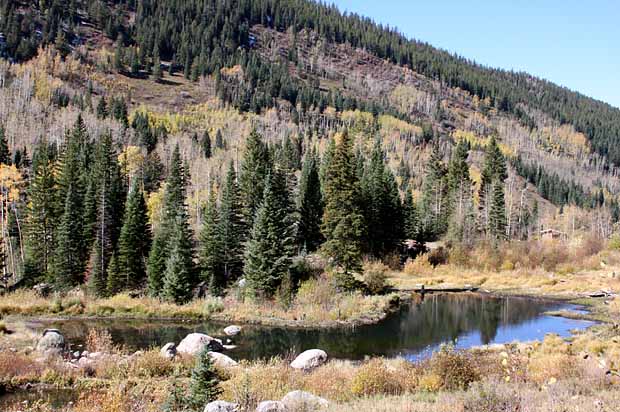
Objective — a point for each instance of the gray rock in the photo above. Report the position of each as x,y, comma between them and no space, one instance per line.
232,330
309,359
304,401
221,406
51,343
242,282
194,343
169,350
271,406
222,361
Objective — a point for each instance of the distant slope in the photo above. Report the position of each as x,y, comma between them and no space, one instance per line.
206,35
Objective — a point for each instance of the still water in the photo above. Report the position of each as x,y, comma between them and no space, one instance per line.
415,330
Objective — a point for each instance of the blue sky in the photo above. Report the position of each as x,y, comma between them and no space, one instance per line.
572,43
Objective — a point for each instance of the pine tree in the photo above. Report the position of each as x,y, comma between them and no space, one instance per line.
206,145
42,214
459,188
434,195
310,205
494,173
497,214
179,278
134,241
254,168
134,62
381,204
342,220
204,385
116,281
156,69
412,227
102,108
174,203
5,154
69,257
231,227
270,246
119,64
219,140
109,208
211,250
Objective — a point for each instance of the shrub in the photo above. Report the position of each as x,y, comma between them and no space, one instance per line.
99,341
375,277
418,266
319,292
151,364
491,397
614,242
456,369
374,378
430,382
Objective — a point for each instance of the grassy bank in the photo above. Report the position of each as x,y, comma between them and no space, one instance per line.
314,306
576,375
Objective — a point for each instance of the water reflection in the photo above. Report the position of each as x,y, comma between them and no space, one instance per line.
470,319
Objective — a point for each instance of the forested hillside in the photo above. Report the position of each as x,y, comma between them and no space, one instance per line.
160,145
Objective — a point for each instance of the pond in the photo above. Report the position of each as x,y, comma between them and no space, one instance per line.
469,319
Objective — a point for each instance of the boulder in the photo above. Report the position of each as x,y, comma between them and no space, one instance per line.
221,406
232,330
271,406
42,289
169,350
194,342
304,401
51,343
222,361
309,359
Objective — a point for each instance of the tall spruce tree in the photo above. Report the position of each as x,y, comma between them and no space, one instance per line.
434,195
211,251
497,214
174,203
179,277
342,223
42,214
254,168
310,204
382,207
68,268
231,227
134,242
271,243
460,194
494,173
110,197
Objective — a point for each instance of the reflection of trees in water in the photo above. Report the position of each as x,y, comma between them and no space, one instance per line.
436,319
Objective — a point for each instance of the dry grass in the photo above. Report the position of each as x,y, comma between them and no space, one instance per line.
535,267
316,304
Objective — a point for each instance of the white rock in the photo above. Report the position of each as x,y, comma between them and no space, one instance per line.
221,406
304,401
230,347
169,350
51,343
271,406
194,342
309,359
232,330
222,361
242,282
